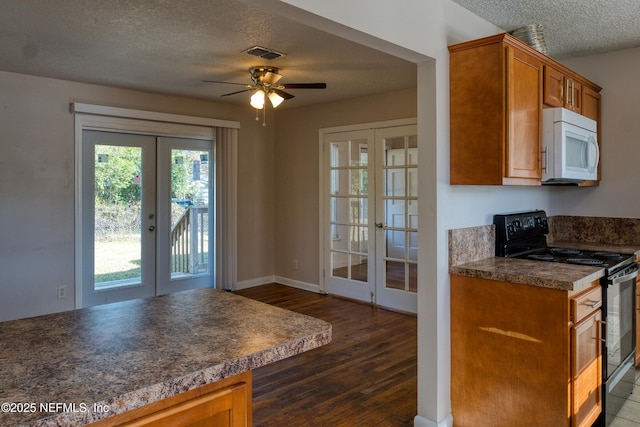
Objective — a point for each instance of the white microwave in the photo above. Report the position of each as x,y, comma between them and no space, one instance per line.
570,147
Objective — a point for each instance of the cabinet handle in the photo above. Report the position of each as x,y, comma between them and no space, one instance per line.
566,91
573,104
603,331
596,304
545,156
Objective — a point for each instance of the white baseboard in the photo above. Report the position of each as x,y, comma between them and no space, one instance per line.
298,284
258,281
419,421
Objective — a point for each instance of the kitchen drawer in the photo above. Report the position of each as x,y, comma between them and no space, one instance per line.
585,303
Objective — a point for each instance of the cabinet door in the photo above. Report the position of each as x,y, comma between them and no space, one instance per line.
524,109
591,105
574,95
553,87
591,109
561,91
586,370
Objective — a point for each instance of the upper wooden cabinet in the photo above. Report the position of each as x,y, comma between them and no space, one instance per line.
561,90
498,88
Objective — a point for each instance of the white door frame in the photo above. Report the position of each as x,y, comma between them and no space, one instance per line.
144,286
114,119
322,274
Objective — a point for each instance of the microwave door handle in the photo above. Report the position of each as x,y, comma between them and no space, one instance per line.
593,141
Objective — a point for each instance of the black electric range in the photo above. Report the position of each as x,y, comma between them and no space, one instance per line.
523,235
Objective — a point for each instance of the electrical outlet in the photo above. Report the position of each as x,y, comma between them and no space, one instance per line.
62,291
295,263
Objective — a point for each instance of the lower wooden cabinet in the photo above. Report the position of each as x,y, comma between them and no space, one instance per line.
222,404
524,355
586,370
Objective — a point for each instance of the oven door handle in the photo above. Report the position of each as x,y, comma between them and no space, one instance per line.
629,273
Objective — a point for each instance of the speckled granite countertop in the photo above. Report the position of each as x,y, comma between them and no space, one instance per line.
129,354
547,274
471,254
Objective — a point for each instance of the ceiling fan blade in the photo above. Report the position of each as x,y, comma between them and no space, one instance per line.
239,91
227,83
304,85
283,94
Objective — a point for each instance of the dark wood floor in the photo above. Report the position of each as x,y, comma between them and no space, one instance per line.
367,375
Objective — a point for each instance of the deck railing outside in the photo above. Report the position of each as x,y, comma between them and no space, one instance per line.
189,242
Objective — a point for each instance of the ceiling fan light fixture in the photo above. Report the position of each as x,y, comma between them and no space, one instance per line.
275,99
257,100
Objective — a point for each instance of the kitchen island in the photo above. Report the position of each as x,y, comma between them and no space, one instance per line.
92,364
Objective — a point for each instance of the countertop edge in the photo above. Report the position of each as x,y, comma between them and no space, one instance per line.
490,269
175,386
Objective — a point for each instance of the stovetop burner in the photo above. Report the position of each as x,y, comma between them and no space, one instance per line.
564,251
607,255
542,257
585,261
523,235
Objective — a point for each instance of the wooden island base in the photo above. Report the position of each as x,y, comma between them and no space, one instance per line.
224,403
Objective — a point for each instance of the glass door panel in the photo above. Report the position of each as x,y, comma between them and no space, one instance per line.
118,217
347,244
185,241
397,213
189,212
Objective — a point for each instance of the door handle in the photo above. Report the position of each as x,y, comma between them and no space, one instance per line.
379,225
152,228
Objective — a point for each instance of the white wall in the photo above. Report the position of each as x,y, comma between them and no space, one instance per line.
37,185
617,195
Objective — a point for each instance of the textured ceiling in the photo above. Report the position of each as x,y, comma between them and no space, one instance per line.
571,27
170,46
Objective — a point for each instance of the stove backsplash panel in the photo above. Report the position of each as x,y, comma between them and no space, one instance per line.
621,231
471,244
476,243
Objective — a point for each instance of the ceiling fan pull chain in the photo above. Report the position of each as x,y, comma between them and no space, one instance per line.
264,116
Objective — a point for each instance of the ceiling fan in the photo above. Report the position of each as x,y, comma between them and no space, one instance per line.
265,84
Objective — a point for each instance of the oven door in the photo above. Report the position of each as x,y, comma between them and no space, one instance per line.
620,314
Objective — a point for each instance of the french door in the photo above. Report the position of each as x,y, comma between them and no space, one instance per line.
370,211
146,204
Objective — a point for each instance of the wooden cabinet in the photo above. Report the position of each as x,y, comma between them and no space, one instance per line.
561,90
524,355
591,109
498,88
225,403
496,106
586,370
